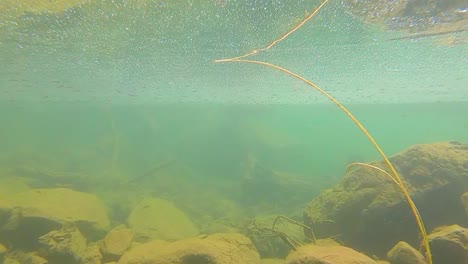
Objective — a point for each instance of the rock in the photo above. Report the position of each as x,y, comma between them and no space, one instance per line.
92,255
11,261
136,244
403,253
464,199
64,246
160,219
38,211
20,257
311,254
116,243
449,244
214,249
35,259
368,211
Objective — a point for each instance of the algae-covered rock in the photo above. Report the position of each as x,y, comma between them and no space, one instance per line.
311,254
64,245
403,253
160,219
367,209
116,242
11,261
449,244
39,211
92,255
21,257
214,249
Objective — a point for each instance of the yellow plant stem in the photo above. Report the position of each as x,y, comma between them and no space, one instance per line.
372,167
396,177
283,37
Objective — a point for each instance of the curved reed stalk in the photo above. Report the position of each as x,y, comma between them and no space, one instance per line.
394,175
283,37
372,167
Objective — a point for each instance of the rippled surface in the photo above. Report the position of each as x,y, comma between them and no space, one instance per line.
163,51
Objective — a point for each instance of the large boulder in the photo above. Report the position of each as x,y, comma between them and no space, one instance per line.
214,249
30,214
92,255
368,211
160,219
312,254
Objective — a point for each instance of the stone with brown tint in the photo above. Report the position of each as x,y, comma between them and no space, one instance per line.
311,254
64,245
38,211
160,219
213,249
368,211
116,242
403,253
92,255
449,244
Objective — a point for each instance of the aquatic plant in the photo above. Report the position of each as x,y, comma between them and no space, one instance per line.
393,174
259,231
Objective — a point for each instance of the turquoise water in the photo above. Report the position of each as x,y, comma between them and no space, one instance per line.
123,99
215,140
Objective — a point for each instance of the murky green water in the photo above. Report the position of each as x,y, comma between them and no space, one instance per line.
123,99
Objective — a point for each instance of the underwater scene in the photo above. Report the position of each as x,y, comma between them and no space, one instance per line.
233,132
